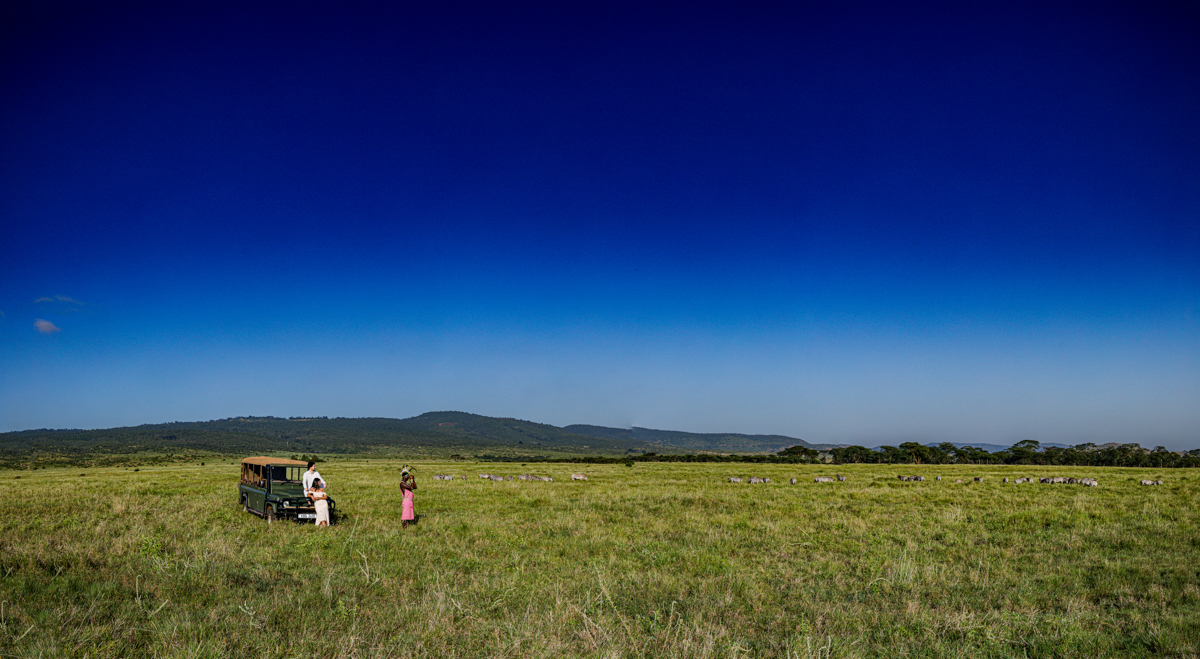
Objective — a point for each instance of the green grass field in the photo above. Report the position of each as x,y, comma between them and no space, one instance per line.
656,560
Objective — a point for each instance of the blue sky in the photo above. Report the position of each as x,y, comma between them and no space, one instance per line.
862,224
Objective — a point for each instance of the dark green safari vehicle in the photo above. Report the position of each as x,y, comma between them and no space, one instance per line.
272,489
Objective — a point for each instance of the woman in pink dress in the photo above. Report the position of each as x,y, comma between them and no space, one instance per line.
408,512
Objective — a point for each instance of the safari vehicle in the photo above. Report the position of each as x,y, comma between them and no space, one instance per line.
272,489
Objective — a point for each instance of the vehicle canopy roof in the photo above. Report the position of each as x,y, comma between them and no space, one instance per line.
264,460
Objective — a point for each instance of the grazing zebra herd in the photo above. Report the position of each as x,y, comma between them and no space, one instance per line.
754,480
1089,482
523,477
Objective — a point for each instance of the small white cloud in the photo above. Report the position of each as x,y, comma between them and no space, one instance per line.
59,298
46,327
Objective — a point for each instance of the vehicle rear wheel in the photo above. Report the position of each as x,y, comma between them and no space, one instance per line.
270,514
245,508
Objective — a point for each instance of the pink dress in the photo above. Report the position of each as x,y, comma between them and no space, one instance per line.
408,513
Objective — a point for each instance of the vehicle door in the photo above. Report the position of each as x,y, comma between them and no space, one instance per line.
256,495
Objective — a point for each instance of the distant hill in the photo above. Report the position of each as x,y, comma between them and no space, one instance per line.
691,441
432,434
441,433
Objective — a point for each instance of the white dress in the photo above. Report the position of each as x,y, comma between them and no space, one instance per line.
321,501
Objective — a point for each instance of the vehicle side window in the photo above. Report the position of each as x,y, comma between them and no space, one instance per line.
252,475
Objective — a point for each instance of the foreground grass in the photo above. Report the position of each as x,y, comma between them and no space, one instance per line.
654,560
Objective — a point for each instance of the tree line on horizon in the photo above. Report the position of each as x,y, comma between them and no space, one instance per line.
1027,452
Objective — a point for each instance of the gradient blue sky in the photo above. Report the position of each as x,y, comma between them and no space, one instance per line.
862,223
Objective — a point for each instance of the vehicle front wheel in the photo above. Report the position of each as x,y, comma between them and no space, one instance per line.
270,514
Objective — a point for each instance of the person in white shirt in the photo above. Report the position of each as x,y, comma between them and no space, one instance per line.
309,476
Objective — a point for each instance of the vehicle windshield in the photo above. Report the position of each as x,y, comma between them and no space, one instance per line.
287,489
286,480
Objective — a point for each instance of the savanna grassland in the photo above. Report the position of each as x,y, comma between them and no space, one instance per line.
655,560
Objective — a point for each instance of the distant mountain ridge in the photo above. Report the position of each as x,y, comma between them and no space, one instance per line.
440,433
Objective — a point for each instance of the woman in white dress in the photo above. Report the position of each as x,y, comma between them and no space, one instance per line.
321,500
